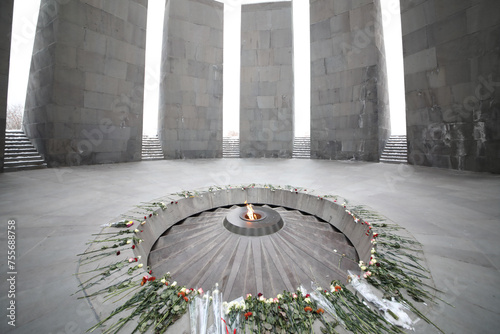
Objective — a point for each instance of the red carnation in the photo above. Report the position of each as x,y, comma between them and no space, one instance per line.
133,246
186,299
150,215
152,278
118,253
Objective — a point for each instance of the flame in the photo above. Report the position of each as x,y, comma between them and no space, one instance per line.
250,213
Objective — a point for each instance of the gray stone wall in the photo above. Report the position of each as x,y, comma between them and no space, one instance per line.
190,112
452,81
85,91
6,10
344,73
267,95
384,116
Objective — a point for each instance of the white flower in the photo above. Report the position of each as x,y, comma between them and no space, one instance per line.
163,280
138,257
307,300
215,292
144,222
129,241
279,296
269,301
139,265
261,298
335,250
363,268
174,283
373,251
200,291
136,231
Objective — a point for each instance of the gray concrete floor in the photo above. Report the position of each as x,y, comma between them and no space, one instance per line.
455,215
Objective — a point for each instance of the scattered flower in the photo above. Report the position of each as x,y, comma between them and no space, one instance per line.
308,309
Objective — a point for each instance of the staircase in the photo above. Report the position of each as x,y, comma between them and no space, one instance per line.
395,151
301,148
230,147
20,154
151,148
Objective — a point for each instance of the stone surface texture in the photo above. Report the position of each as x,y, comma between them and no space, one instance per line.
6,10
267,93
384,117
190,111
345,67
454,214
452,78
85,93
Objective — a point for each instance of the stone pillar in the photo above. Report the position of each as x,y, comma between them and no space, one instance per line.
452,82
267,96
344,72
190,114
85,92
383,107
6,12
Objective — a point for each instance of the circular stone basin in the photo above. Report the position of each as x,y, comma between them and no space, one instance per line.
268,222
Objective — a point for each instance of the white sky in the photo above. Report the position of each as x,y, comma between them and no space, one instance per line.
24,25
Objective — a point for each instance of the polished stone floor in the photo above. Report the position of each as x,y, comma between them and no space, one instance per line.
454,214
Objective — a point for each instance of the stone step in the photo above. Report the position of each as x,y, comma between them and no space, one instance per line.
396,150
14,153
152,151
20,163
22,168
394,153
151,148
20,154
30,157
230,147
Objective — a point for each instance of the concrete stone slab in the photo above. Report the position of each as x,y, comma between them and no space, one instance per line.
397,193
